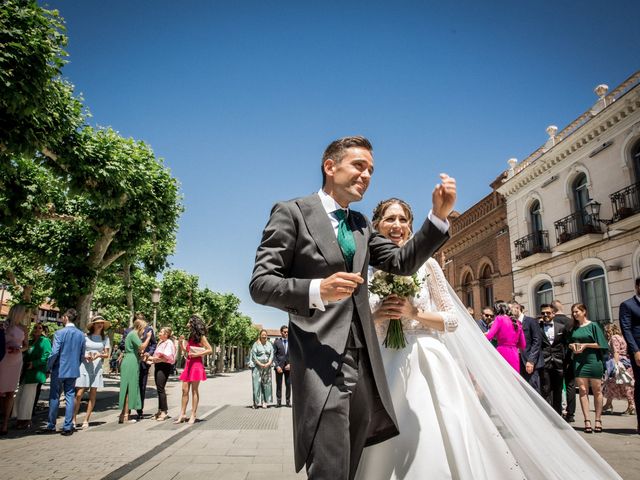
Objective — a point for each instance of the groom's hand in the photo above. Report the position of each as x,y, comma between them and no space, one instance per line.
338,286
444,197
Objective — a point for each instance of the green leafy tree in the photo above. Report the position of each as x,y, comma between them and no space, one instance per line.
178,299
120,196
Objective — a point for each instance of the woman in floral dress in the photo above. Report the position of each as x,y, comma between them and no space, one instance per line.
611,389
260,362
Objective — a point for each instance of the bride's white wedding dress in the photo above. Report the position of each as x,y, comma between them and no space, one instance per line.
462,411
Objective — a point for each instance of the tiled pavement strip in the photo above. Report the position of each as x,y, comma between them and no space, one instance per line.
230,442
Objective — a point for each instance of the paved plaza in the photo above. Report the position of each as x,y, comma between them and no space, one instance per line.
231,441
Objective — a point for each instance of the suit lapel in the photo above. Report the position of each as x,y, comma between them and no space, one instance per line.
320,228
361,241
557,331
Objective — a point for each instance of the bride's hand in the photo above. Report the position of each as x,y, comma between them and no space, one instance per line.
394,307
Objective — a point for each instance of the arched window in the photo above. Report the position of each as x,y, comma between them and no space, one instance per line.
486,282
635,160
467,290
580,192
543,294
594,294
535,216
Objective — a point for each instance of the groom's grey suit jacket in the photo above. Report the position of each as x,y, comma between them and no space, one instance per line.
298,245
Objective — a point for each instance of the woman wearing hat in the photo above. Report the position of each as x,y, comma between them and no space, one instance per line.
97,348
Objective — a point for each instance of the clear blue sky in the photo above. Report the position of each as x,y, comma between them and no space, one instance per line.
241,98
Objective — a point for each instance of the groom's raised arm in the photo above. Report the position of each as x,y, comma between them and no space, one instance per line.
270,283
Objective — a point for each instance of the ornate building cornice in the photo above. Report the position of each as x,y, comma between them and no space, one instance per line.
620,104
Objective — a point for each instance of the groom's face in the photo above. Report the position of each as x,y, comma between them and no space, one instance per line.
348,179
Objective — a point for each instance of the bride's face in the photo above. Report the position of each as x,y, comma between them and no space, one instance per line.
395,224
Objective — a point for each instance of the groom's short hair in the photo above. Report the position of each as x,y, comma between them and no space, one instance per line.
336,150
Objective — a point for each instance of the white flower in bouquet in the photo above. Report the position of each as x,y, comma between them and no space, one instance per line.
385,284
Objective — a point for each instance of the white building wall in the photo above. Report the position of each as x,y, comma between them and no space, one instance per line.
608,171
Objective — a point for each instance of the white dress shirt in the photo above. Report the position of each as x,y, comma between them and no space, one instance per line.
330,206
549,331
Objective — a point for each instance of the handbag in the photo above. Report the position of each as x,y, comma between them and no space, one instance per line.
622,376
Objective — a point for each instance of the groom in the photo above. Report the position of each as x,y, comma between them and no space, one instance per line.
312,262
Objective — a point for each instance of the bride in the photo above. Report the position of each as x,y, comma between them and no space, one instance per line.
463,413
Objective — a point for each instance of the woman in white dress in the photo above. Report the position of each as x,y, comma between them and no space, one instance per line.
463,413
97,348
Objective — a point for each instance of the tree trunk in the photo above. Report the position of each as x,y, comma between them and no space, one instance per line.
128,287
229,353
220,366
83,305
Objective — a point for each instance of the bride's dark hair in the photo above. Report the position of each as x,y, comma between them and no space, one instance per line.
378,212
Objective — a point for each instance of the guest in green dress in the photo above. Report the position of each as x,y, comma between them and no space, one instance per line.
588,344
130,370
35,373
260,361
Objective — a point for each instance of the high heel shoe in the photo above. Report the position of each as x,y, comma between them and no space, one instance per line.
598,429
180,419
587,426
192,420
608,410
630,411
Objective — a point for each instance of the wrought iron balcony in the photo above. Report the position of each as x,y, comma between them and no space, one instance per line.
576,225
536,242
625,202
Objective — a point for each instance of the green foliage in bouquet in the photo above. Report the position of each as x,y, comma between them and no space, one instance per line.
385,284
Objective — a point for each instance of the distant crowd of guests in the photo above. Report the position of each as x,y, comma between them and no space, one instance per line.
74,364
557,354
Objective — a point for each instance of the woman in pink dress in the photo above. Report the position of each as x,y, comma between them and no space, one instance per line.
509,334
11,364
193,373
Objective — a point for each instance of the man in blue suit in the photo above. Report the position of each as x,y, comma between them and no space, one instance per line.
630,326
531,359
67,354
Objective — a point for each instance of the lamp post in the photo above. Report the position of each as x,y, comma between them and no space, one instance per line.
155,299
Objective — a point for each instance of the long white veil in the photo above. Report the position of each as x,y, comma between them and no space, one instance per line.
543,444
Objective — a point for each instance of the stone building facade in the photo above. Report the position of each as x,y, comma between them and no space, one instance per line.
476,259
573,209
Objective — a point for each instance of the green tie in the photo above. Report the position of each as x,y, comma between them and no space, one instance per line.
345,238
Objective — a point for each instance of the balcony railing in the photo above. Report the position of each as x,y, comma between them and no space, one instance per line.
576,225
537,242
625,202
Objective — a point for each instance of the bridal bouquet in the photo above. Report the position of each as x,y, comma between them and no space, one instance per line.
384,284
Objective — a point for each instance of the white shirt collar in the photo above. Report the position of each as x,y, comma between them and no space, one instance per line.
69,324
328,202
521,317
638,298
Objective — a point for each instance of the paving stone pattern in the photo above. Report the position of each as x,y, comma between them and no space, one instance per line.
230,441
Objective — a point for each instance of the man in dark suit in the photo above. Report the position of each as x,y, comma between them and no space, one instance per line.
531,360
630,326
486,319
554,343
313,263
568,373
281,363
67,353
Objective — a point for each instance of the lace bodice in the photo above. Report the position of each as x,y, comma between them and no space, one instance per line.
433,297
